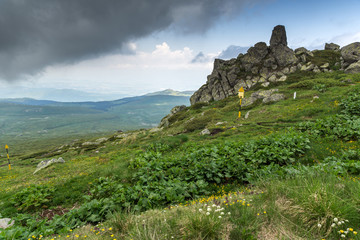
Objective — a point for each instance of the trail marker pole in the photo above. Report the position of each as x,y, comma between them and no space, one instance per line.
7,153
241,95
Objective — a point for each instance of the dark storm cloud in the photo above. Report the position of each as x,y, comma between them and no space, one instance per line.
35,34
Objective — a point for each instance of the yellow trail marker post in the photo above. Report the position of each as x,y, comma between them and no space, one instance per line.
241,95
7,153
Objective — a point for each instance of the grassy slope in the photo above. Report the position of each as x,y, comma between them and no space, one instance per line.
273,209
49,123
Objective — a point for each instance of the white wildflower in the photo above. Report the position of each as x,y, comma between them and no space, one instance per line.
342,235
336,220
319,225
207,213
333,225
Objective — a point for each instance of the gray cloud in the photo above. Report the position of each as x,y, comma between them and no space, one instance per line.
39,33
232,52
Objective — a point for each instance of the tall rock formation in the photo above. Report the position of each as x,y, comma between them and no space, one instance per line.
261,64
264,65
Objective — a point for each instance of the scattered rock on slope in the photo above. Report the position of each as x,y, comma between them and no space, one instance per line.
46,163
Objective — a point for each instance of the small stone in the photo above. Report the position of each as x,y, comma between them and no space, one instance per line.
265,84
282,79
325,65
247,114
205,132
272,78
6,222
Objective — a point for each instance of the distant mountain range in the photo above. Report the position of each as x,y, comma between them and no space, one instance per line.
31,118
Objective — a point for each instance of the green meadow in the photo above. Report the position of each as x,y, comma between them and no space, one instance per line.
290,170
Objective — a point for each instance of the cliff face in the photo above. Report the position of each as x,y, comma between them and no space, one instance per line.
264,64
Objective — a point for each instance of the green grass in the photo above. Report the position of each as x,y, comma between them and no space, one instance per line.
286,197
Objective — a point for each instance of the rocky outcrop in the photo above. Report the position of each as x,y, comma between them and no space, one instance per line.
332,46
165,121
353,68
350,54
263,65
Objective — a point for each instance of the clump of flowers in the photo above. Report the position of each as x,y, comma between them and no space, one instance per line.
340,226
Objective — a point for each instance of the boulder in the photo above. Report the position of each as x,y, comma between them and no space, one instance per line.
278,36
283,55
255,54
353,68
274,98
46,163
332,46
351,53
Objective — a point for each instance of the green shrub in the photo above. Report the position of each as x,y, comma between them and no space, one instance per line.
199,105
351,105
33,197
325,56
197,123
311,83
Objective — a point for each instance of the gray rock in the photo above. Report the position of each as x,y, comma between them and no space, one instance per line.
332,46
351,53
283,55
278,36
293,69
274,98
272,78
46,163
353,68
282,79
265,84
247,114
316,69
301,51
205,132
256,53
325,65
6,222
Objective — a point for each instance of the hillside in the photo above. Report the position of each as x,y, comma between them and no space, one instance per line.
287,169
24,120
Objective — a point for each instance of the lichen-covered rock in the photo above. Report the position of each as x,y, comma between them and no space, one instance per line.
353,68
274,98
332,46
266,96
284,56
351,53
255,54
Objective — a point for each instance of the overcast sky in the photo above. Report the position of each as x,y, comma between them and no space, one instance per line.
139,46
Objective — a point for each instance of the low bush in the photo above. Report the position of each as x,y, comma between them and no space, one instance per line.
33,197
